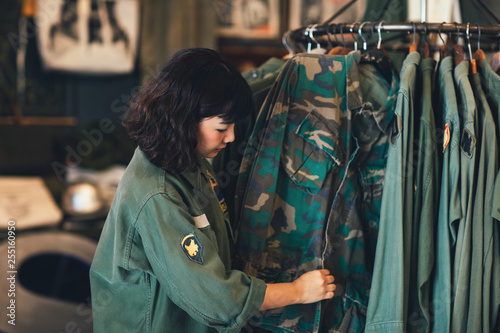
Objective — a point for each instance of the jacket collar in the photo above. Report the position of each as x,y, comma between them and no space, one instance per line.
383,116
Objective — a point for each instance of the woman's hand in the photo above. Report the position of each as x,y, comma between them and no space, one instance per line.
315,286
310,287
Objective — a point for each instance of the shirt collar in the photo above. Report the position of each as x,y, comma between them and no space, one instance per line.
383,116
198,177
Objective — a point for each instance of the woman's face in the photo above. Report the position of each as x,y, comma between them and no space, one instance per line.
213,136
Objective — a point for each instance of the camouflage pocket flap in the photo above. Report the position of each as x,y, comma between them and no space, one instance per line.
311,152
322,133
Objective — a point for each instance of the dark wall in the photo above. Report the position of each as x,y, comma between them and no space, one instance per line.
96,103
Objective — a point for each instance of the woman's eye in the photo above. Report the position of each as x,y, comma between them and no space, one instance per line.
222,130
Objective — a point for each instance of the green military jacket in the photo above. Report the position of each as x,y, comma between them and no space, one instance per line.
163,262
310,186
450,207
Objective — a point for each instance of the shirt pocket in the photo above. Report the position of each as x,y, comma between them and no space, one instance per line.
311,152
355,299
203,225
372,184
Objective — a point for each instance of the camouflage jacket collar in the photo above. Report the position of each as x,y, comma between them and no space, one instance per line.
355,99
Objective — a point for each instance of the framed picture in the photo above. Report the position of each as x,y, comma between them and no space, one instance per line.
248,18
90,37
306,12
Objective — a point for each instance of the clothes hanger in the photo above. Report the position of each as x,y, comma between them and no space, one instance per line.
413,46
471,58
458,51
329,38
285,40
360,34
377,56
424,44
479,56
444,50
342,35
339,49
333,49
354,38
308,33
318,49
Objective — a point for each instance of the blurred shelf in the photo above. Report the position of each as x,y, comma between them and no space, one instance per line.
247,53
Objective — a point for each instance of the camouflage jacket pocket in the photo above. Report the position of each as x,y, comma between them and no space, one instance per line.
311,151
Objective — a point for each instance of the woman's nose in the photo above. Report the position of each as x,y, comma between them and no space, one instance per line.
229,134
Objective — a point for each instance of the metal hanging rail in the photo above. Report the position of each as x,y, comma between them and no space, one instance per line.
367,28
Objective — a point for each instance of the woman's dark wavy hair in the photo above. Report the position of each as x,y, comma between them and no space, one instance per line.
164,115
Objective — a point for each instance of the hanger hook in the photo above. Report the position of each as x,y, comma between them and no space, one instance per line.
439,33
379,34
478,36
458,32
360,33
467,34
355,39
335,34
414,31
342,34
312,35
309,31
286,42
330,45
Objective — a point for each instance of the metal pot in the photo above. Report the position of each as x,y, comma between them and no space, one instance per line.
82,199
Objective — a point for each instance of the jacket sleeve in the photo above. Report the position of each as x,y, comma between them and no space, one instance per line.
186,262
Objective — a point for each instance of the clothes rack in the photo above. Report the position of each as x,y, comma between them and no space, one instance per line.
486,33
425,258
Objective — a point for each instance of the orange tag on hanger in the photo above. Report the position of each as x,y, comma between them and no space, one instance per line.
479,56
29,8
446,139
473,66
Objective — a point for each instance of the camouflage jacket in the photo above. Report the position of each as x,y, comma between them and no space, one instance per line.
310,186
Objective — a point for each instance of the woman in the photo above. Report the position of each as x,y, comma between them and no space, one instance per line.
163,261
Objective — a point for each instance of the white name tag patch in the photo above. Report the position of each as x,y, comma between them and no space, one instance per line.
201,221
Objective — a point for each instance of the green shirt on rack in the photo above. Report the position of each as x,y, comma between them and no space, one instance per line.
491,85
387,307
425,207
484,258
450,209
468,151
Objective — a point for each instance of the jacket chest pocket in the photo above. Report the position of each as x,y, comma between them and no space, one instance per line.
204,226
311,151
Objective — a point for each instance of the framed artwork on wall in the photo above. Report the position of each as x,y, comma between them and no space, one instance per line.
248,18
88,37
